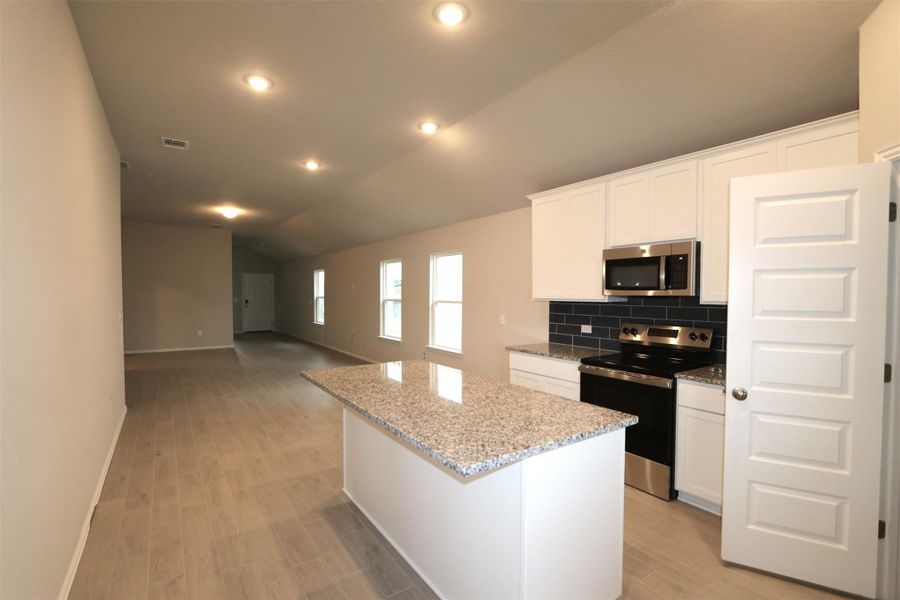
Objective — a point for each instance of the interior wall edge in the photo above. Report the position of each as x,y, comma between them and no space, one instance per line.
86,528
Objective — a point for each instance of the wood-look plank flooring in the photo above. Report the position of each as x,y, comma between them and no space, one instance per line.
226,483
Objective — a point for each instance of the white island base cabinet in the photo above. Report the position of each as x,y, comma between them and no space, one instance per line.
549,526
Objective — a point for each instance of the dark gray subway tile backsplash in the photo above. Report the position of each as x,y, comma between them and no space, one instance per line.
566,319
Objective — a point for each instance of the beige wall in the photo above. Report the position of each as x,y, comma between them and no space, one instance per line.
60,330
247,260
879,80
496,281
177,281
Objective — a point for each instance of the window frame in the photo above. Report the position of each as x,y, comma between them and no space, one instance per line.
432,303
316,296
384,299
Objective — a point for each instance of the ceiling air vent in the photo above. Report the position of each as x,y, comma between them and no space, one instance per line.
173,143
217,226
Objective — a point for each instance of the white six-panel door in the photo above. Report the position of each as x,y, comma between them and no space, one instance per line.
806,340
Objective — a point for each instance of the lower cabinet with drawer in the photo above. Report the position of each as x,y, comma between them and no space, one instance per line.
700,444
551,375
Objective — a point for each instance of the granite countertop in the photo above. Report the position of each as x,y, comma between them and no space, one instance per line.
561,351
713,375
468,423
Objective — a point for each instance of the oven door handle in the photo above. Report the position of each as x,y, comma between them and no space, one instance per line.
661,382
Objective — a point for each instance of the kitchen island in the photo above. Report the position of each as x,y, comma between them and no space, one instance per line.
489,490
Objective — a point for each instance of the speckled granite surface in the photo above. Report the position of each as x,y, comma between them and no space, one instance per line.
561,351
468,423
713,375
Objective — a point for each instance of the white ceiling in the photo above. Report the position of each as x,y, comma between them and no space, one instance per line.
532,95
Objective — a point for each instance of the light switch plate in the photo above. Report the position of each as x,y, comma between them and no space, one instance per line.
585,329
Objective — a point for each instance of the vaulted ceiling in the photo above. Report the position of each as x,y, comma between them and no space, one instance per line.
530,95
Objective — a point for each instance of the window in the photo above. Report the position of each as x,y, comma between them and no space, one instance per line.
391,299
319,296
446,301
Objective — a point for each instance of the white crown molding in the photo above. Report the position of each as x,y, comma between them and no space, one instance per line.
889,154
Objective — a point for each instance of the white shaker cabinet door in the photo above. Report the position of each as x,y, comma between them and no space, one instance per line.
673,202
550,247
586,244
628,210
830,146
718,170
699,453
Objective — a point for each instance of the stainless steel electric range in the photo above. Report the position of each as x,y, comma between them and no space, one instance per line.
640,380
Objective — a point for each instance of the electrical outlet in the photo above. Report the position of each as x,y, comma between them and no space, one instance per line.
585,329
503,319
199,332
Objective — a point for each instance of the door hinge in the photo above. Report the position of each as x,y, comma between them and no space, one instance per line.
888,373
892,212
882,529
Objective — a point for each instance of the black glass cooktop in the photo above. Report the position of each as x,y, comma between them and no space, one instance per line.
649,364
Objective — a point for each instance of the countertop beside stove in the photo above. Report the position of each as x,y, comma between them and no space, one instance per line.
559,351
712,375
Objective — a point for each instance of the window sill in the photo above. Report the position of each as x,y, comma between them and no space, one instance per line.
445,350
319,324
390,339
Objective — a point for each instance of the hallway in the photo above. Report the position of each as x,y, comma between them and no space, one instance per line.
226,484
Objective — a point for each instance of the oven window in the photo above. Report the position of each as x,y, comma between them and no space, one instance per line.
632,274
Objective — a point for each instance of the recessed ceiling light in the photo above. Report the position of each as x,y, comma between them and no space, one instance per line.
258,82
312,165
428,127
451,14
229,212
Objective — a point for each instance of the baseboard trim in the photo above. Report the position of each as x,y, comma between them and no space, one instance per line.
332,348
86,528
188,349
700,503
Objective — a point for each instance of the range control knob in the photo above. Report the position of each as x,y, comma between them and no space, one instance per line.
693,336
633,331
625,330
703,337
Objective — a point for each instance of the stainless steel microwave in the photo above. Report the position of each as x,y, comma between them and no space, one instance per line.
652,270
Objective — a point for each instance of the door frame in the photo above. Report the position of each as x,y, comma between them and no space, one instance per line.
243,295
889,548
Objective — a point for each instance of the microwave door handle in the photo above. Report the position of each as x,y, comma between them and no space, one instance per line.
662,273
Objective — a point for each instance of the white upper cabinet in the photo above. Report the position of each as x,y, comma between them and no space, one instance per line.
718,170
829,145
832,145
586,211
657,205
628,210
673,206
550,229
680,199
567,244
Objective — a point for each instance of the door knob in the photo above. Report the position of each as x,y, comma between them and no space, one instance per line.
739,393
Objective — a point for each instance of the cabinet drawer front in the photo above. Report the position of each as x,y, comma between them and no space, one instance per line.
526,380
549,367
701,396
566,389
550,385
